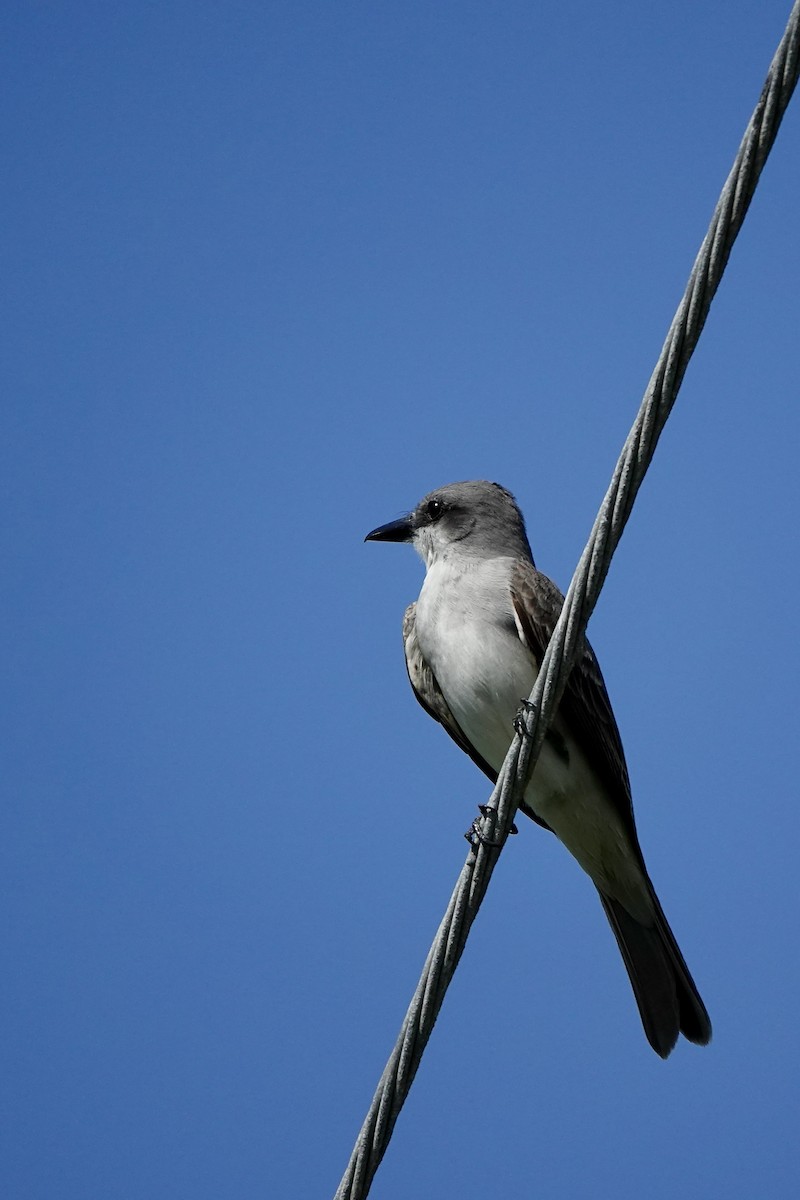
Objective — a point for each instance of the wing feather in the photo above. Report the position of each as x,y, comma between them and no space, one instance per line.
585,706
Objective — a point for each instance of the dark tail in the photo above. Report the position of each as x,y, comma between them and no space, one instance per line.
669,1003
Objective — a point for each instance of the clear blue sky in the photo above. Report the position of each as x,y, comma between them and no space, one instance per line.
271,272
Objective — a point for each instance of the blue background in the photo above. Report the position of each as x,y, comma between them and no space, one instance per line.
271,272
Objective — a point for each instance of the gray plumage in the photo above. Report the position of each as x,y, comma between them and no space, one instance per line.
473,642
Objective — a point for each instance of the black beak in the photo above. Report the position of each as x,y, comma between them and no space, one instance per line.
400,530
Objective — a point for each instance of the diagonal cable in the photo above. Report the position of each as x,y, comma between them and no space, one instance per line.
580,601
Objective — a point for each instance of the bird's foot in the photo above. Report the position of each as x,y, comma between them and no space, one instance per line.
475,835
520,720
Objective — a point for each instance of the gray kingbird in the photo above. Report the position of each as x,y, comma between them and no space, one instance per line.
474,641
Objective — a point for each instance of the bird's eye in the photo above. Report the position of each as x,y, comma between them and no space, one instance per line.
434,509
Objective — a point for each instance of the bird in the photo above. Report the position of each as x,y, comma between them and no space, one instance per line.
474,641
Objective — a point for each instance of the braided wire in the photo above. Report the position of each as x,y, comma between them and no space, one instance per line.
493,828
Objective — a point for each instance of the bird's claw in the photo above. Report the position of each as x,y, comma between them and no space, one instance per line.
520,723
475,835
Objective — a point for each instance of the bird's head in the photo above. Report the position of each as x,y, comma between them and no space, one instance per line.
474,519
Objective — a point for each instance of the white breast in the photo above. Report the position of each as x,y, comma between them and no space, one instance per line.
466,631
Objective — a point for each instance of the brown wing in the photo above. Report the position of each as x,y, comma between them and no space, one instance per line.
585,705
